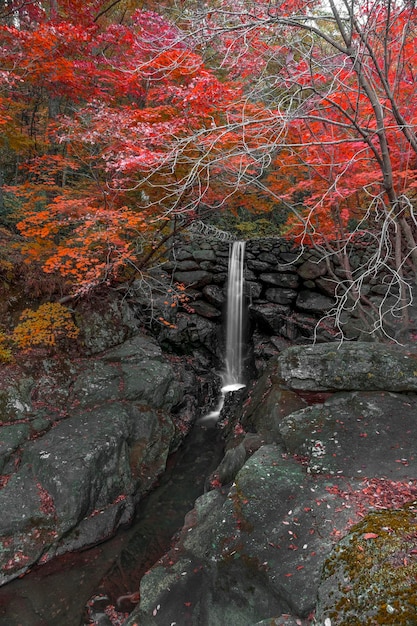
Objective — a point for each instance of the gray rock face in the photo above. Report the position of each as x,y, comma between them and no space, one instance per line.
350,366
263,549
95,322
93,459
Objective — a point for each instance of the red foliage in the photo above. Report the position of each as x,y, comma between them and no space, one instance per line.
376,493
47,505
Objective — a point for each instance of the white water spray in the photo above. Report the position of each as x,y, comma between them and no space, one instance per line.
232,376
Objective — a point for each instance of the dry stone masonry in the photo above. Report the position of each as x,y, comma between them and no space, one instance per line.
290,292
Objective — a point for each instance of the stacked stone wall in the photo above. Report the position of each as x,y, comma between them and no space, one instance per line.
289,290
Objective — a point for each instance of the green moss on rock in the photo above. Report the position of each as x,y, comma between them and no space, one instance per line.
370,578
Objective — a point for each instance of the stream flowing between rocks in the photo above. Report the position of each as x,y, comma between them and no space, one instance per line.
57,594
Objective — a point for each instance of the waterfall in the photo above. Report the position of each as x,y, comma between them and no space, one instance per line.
232,377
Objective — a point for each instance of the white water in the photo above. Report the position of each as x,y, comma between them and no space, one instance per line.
232,377
234,320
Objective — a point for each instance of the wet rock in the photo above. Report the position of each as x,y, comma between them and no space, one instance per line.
233,461
77,483
255,553
252,290
192,332
269,403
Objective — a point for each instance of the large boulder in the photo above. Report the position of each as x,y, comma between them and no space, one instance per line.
350,366
93,457
255,551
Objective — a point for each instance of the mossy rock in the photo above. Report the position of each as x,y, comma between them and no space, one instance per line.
370,578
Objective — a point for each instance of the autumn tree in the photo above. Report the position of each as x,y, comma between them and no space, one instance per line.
119,123
339,91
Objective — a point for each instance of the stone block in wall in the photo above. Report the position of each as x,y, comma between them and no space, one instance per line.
181,254
280,295
327,285
253,290
269,317
260,246
222,252
223,263
186,265
291,258
214,295
289,329
278,279
249,274
204,255
196,278
258,266
268,257
219,279
314,302
312,269
203,308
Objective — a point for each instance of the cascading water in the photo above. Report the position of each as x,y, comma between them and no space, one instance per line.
232,377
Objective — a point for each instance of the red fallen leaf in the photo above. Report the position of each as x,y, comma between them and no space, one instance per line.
370,536
187,603
288,575
414,551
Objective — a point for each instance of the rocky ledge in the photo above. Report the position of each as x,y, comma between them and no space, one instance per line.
81,442
312,515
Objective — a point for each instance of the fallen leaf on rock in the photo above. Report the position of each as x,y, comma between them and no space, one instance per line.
370,536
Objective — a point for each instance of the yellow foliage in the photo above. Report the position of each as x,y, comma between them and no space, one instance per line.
5,352
44,327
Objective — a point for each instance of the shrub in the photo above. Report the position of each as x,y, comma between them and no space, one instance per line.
47,326
5,351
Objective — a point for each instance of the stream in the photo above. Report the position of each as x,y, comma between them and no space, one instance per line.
57,593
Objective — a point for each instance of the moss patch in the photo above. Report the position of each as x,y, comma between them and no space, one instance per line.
371,576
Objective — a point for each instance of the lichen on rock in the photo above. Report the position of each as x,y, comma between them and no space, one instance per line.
370,576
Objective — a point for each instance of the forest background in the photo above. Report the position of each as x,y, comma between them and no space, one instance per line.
124,122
